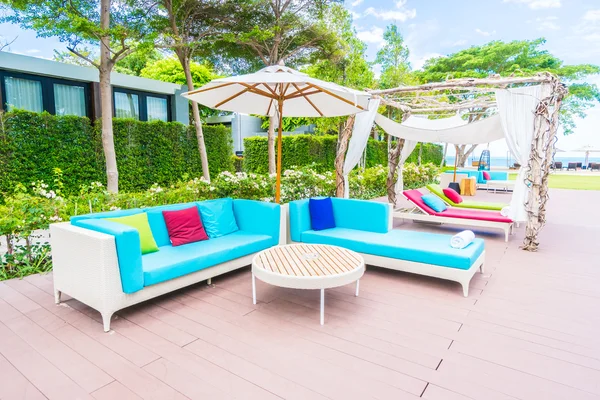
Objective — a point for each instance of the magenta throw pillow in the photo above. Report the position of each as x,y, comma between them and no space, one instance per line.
184,226
486,176
452,195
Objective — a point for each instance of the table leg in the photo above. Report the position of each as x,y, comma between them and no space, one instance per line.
322,306
253,289
357,284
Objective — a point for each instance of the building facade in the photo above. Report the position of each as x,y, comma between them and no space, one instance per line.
38,85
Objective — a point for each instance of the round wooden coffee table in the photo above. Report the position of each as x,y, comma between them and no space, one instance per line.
307,266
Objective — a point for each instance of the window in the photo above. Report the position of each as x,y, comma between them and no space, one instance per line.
69,100
40,93
23,94
142,106
157,109
127,105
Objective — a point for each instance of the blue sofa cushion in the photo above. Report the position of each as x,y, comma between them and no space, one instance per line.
172,262
372,216
321,213
129,253
421,247
217,217
106,214
258,217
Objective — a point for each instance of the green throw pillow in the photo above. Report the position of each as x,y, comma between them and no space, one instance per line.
140,222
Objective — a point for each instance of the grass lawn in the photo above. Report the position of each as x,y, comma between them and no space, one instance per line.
580,182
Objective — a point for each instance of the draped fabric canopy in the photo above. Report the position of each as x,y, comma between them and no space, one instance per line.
448,130
360,136
516,111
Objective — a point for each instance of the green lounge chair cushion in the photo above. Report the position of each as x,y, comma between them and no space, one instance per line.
480,205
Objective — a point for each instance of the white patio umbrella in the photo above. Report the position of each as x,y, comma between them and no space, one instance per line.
587,149
265,92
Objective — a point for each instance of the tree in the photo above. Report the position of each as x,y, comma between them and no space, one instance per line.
395,71
130,65
170,70
116,28
519,58
190,28
274,31
347,67
5,43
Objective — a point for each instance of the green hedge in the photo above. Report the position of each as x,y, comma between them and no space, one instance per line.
302,150
33,144
319,151
432,153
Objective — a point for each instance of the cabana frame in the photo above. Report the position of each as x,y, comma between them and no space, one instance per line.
544,135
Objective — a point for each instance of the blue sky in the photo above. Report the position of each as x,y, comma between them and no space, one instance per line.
439,27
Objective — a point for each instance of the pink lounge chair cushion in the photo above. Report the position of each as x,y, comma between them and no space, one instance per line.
414,196
452,195
486,176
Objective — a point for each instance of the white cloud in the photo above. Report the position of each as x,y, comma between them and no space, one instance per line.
417,62
355,15
547,24
32,51
459,43
356,3
592,15
375,35
401,14
537,4
484,33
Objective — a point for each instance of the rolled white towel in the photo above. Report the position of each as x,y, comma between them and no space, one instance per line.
462,239
505,211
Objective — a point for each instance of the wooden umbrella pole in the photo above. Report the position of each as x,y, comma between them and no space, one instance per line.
279,150
455,167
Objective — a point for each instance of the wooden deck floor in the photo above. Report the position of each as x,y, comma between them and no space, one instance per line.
529,330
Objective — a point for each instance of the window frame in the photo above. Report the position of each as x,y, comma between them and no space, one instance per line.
142,102
47,83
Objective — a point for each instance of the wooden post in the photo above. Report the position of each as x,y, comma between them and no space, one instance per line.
542,147
279,151
343,140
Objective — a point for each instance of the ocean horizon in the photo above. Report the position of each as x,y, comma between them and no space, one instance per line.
503,162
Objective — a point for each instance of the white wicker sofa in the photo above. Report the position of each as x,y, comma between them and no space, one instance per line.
99,262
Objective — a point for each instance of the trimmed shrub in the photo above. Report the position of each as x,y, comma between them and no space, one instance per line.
33,144
432,153
318,151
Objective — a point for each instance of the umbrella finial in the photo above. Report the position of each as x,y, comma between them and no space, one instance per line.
281,63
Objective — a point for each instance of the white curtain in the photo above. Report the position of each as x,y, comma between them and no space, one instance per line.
358,141
69,100
448,130
23,94
157,108
409,146
126,105
516,110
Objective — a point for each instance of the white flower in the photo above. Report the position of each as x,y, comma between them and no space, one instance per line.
114,208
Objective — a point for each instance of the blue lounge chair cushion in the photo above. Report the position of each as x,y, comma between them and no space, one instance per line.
321,213
172,262
434,202
420,247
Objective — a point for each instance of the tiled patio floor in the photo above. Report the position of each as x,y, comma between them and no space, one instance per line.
530,329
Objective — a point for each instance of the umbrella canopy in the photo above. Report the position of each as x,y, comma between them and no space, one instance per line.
587,149
283,92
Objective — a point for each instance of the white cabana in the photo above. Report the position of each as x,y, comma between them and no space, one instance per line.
514,122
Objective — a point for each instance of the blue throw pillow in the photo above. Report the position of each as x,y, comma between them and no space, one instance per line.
321,213
434,202
217,217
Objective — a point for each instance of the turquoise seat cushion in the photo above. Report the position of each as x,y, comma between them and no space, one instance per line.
172,262
106,214
420,247
217,217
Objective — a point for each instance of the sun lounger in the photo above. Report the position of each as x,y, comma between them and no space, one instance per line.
479,205
454,216
572,166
